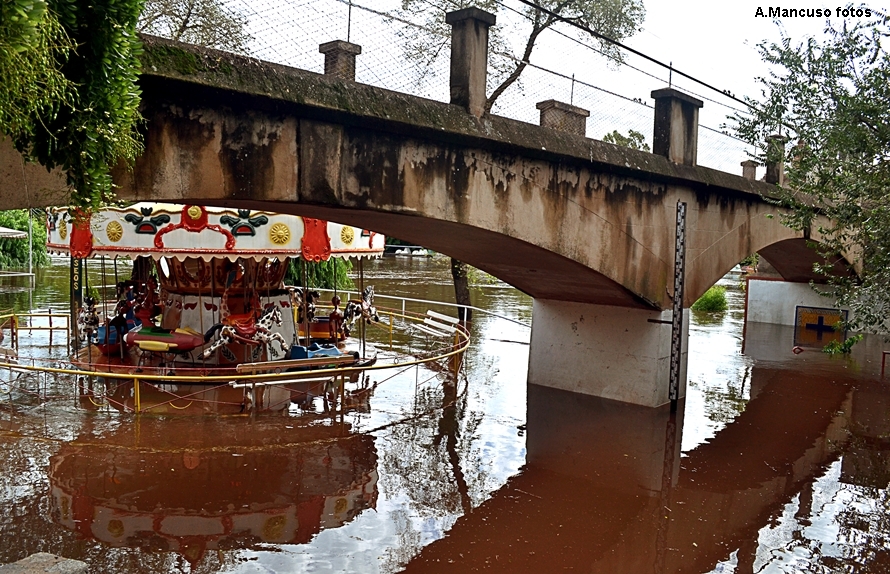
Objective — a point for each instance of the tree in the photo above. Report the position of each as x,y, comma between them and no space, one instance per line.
14,252
69,97
201,22
830,96
330,274
633,139
615,19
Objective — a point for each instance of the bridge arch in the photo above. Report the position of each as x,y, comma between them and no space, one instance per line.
558,216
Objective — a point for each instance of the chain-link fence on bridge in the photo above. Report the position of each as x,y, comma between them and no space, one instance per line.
565,65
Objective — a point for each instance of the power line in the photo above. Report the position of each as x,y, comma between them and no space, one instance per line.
640,70
605,38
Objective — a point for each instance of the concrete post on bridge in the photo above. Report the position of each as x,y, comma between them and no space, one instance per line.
469,57
564,117
675,135
339,59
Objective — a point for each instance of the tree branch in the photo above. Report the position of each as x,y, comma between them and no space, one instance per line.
537,28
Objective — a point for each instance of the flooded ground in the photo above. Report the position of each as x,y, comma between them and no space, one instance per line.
775,463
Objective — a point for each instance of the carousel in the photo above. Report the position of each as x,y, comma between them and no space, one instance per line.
207,291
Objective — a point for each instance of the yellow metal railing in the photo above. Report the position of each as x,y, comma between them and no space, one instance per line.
458,346
16,322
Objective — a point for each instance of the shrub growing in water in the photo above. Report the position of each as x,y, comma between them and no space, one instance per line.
714,299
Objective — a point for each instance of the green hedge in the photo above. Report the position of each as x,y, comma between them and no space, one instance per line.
714,299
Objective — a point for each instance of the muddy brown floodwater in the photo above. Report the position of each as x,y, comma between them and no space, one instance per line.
775,462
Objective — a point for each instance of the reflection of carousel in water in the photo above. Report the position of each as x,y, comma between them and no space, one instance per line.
188,498
218,299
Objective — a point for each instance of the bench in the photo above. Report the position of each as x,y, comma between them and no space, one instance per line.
437,324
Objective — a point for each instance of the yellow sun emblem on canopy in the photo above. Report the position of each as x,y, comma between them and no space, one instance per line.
114,231
347,235
279,234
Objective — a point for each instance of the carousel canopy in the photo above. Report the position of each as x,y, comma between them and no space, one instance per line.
183,231
7,233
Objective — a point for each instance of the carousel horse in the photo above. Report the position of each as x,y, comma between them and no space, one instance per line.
247,328
366,310
88,319
305,298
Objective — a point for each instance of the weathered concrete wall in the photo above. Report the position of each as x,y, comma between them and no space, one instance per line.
775,301
24,184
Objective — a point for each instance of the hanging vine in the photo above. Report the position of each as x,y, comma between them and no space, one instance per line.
86,121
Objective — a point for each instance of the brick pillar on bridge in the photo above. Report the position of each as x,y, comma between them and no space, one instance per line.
339,59
563,117
469,57
675,135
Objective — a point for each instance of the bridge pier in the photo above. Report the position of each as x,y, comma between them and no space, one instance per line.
616,353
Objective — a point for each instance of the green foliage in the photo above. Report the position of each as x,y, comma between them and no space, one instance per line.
86,120
14,252
202,22
751,260
829,96
835,348
479,277
633,139
713,300
617,19
330,274
32,46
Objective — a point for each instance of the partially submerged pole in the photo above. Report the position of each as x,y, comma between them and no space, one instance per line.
677,319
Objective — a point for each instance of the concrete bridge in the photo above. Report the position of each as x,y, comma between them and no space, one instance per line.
585,227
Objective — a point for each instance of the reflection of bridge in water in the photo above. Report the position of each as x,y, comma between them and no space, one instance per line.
606,489
191,487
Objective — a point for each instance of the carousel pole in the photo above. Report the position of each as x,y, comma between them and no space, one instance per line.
361,287
212,281
305,303
293,318
104,296
201,312
86,285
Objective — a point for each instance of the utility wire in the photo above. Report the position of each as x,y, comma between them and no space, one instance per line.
605,38
625,64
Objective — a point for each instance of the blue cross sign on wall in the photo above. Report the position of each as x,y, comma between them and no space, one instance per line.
816,326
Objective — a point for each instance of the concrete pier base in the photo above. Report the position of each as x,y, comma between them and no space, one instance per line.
616,353
44,562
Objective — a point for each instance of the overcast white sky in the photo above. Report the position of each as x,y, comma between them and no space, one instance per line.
717,41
